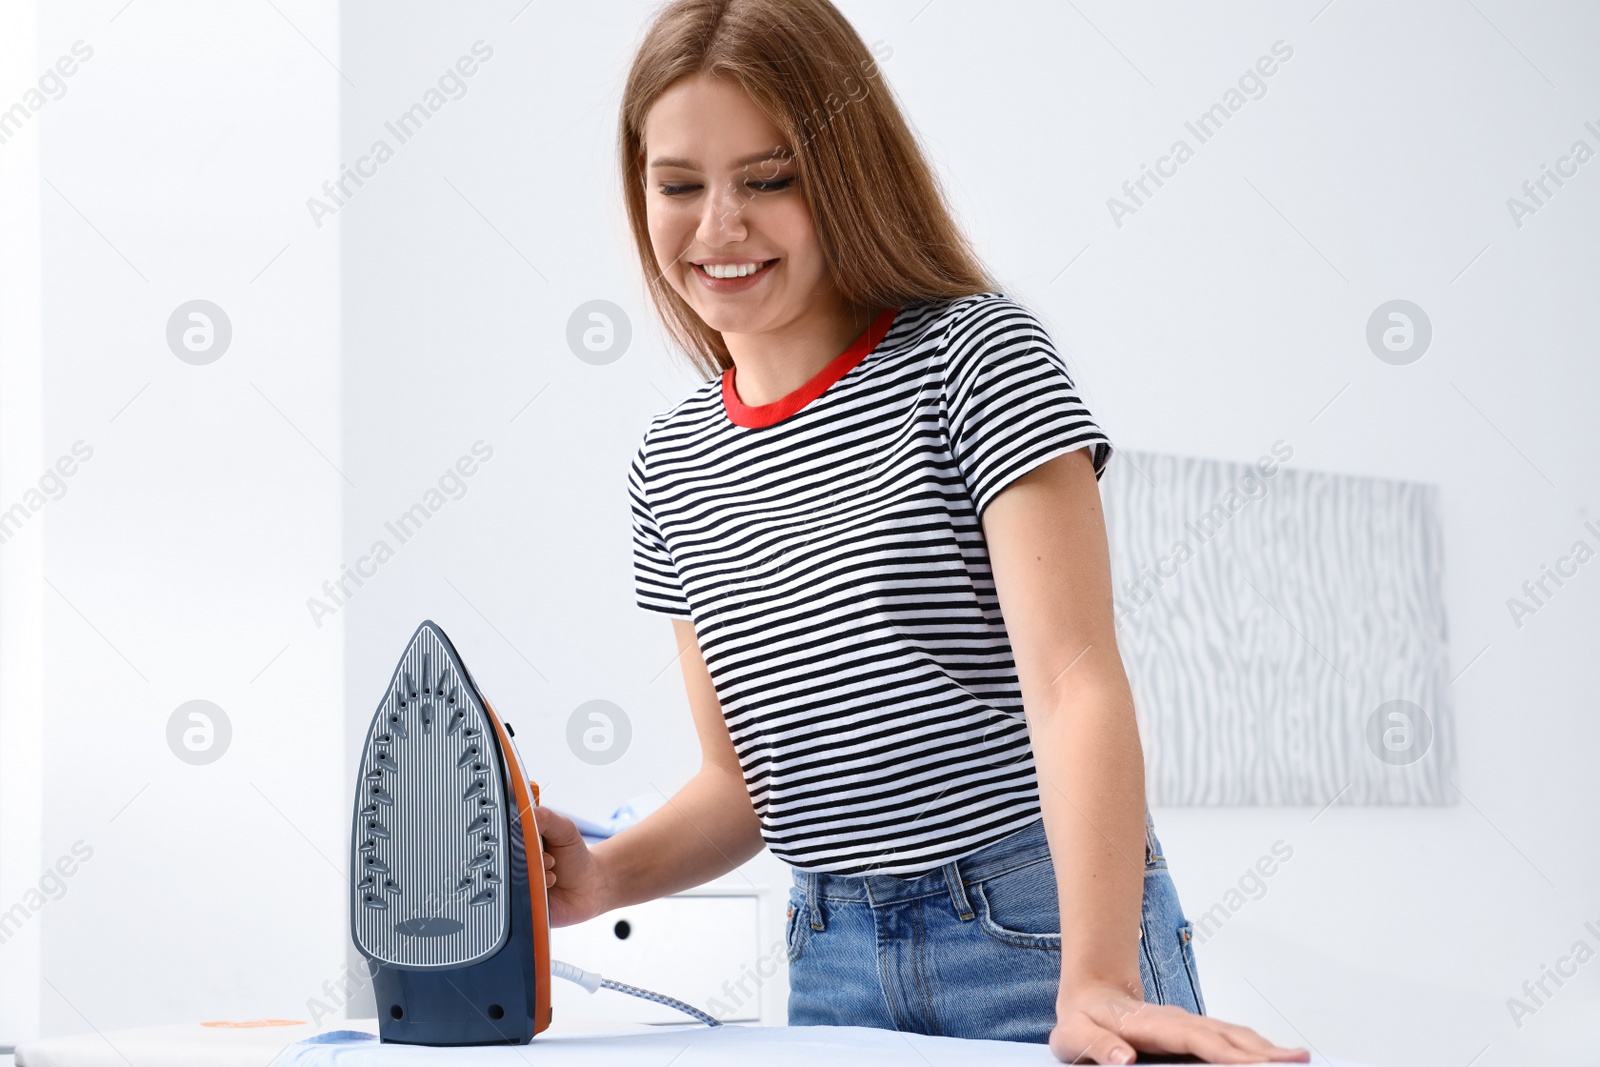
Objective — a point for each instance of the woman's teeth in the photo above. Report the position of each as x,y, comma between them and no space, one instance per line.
732,270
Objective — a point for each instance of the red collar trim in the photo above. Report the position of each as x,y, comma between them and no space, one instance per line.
752,417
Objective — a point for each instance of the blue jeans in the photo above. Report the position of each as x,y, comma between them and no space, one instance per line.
971,949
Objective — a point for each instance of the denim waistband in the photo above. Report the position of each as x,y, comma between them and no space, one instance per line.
1017,849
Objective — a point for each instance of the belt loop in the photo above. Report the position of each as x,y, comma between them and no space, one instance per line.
814,898
958,892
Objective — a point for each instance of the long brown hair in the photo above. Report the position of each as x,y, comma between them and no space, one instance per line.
886,232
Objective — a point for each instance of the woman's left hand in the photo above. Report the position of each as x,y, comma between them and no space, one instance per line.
1101,1023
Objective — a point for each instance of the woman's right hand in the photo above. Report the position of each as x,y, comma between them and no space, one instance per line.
574,883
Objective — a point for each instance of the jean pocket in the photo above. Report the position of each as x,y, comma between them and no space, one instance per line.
1021,906
795,927
1186,949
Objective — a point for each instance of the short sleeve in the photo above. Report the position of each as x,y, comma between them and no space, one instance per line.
1010,402
655,577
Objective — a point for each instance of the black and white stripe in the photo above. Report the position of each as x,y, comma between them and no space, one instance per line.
838,579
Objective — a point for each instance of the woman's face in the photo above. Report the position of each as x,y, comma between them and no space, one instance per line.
721,187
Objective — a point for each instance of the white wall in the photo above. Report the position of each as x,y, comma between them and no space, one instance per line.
21,545
175,166
1227,312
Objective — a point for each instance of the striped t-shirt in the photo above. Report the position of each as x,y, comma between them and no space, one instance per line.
828,548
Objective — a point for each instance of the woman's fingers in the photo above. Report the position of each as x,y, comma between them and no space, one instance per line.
1250,1042
557,830
1216,1041
1164,1028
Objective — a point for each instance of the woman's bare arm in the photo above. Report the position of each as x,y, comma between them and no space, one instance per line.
1052,571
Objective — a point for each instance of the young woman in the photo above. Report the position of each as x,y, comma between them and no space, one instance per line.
877,529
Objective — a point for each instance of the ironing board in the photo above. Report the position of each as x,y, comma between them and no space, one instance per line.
354,1043
221,1043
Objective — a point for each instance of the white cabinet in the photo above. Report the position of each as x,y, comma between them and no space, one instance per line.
704,946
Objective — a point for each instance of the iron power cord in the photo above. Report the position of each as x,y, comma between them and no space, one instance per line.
592,981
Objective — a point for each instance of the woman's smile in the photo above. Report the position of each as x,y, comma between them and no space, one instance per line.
732,277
